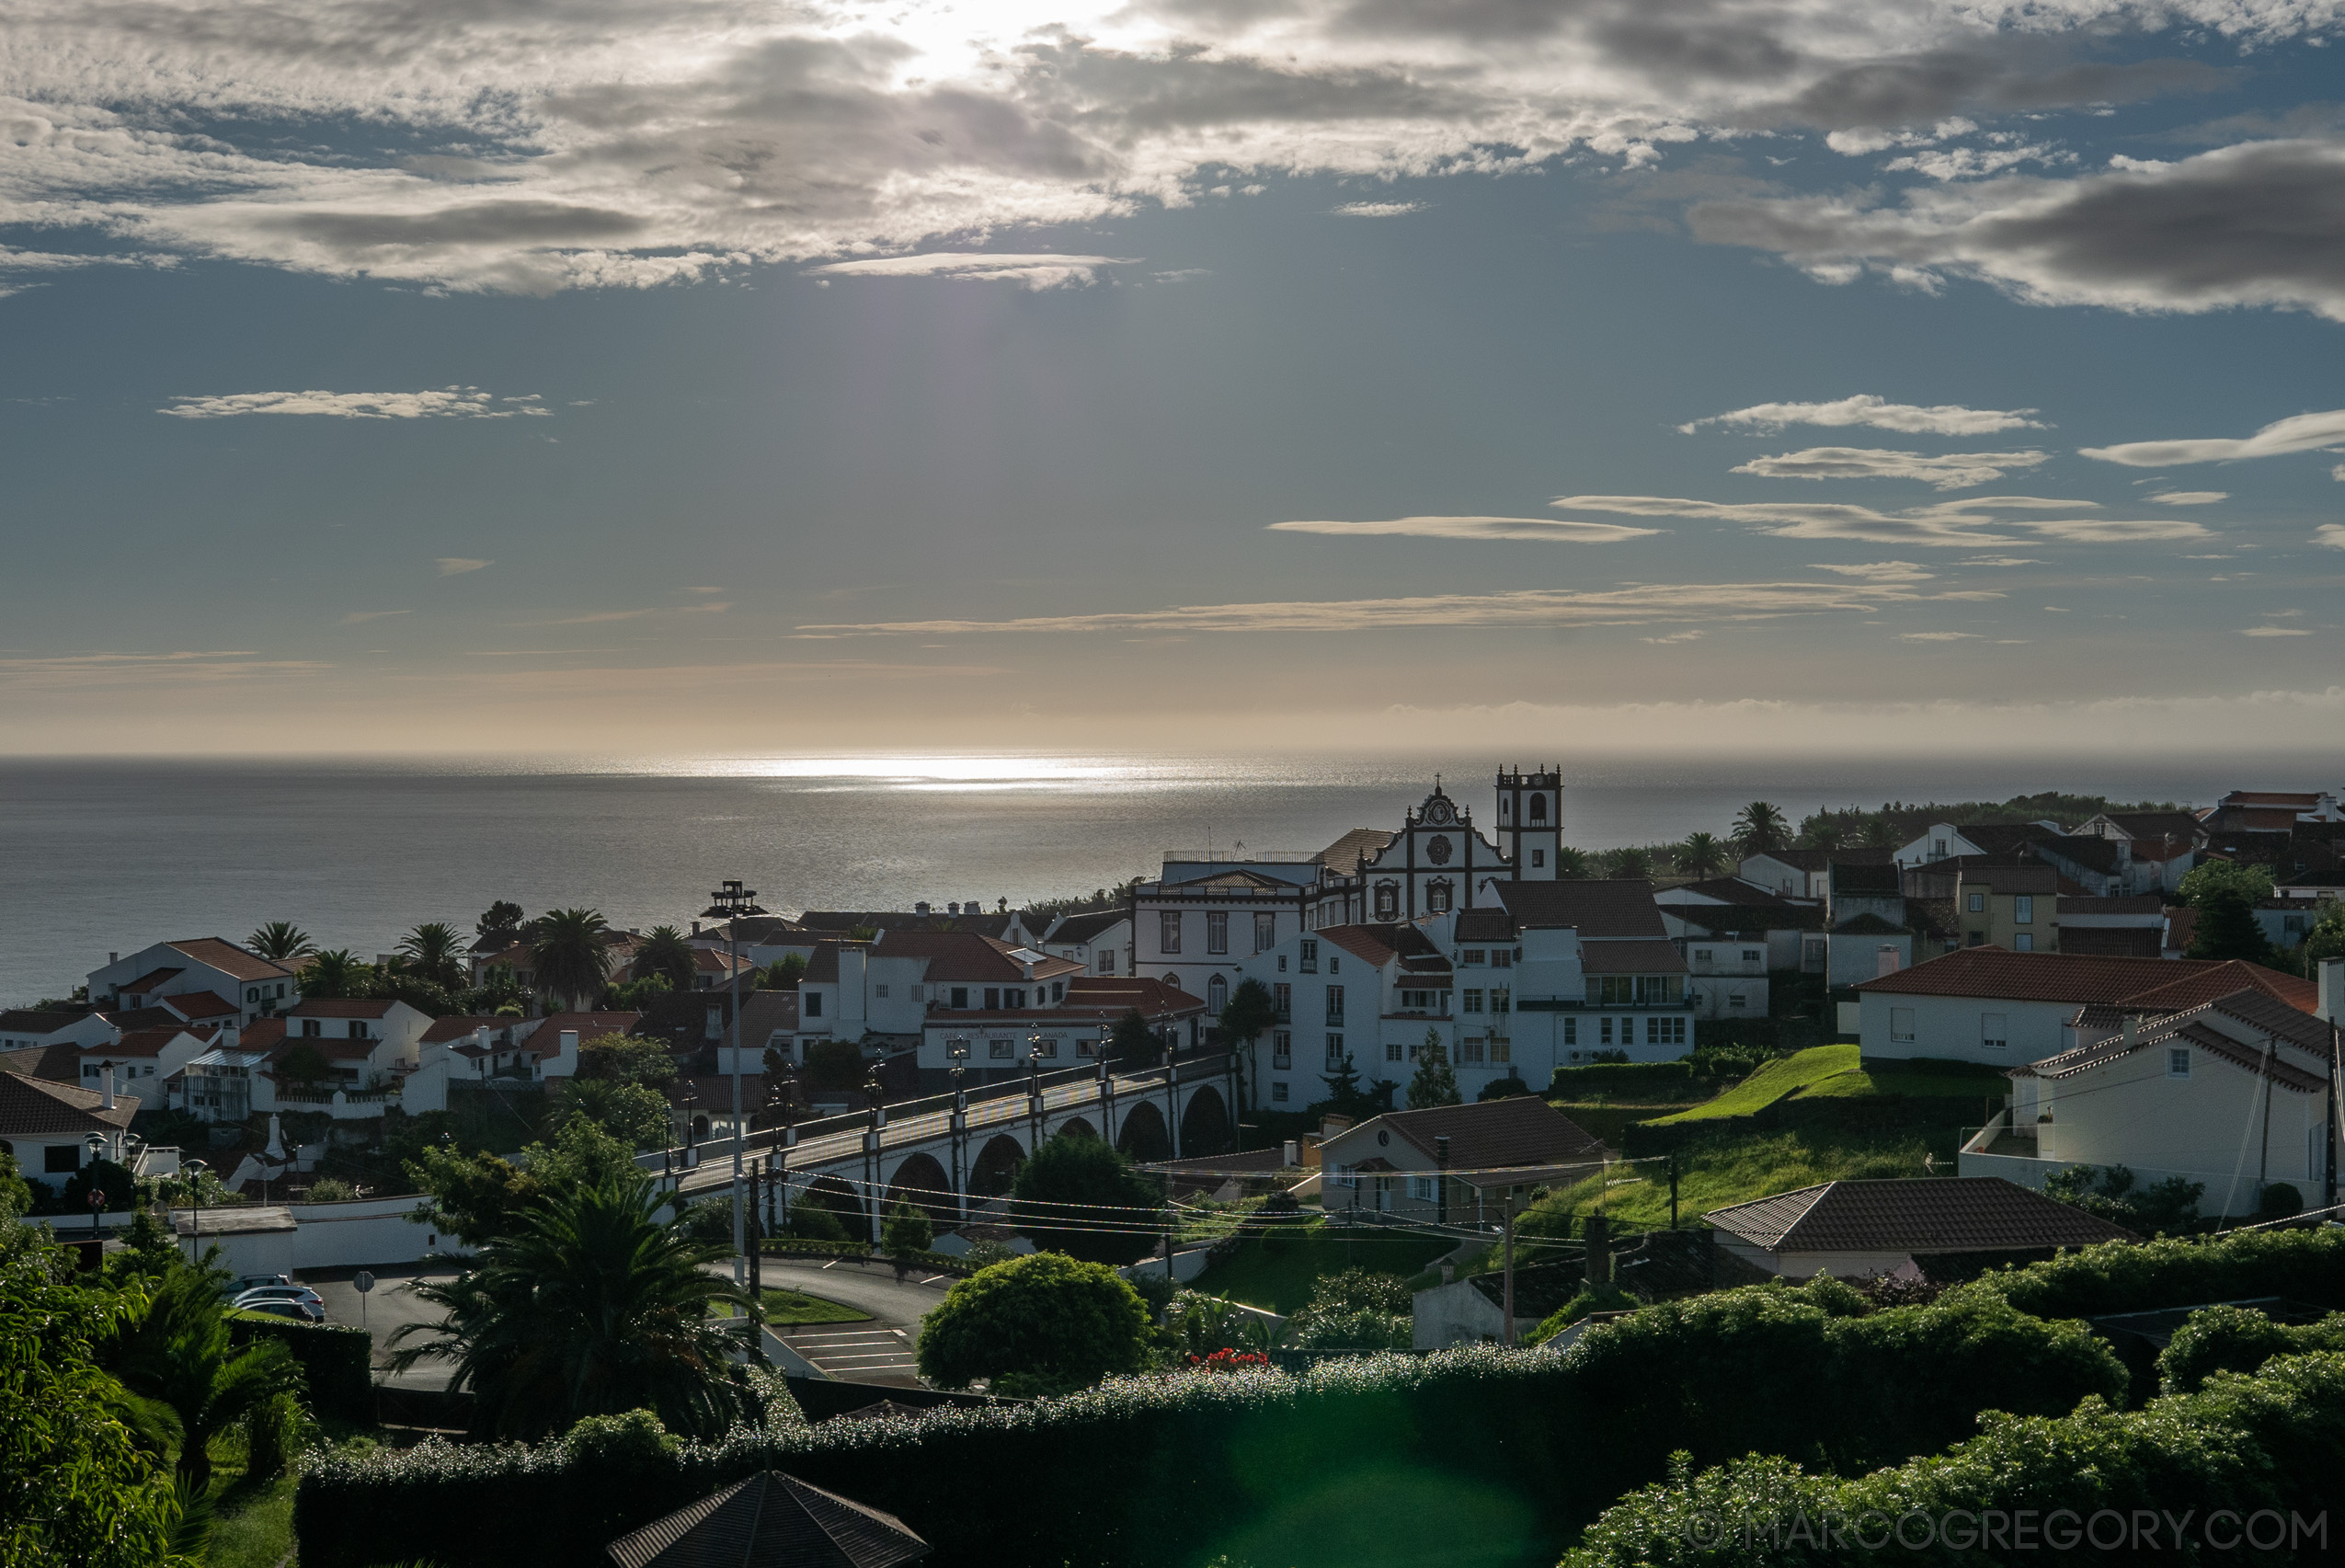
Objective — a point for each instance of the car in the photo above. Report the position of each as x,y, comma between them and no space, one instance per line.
290,1292
237,1287
281,1307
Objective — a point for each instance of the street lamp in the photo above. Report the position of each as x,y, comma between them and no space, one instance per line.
1034,1087
957,1050
95,1144
731,903
781,1102
192,1174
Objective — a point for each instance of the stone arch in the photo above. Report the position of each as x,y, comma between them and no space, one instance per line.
840,1196
1143,1135
920,1181
1204,1124
996,1166
1076,1126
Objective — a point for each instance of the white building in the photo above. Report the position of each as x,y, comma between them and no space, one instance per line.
1368,994
2230,1094
882,992
1100,940
389,1031
25,1029
1987,1004
1203,919
47,1126
141,1058
1065,1021
256,986
1455,1164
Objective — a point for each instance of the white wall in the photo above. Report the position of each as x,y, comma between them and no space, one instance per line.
1951,1028
365,1232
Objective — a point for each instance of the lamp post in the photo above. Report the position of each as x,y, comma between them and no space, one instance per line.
872,1091
1034,1089
730,904
1172,1095
95,1144
782,1105
956,1049
192,1172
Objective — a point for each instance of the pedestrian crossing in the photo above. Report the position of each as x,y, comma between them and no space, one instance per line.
861,1353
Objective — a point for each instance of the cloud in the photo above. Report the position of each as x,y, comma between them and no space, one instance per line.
1942,420
1949,524
2190,497
2259,223
599,617
1378,209
449,403
1953,471
2300,432
1939,636
456,565
1041,271
1555,530
2005,561
146,671
2273,632
1692,634
1640,604
359,617
1878,571
2332,534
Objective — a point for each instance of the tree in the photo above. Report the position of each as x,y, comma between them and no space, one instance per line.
305,1063
337,972
1631,861
1571,864
1078,1197
589,1307
475,1197
2209,878
908,1230
1132,1042
501,921
2327,938
664,952
434,952
1345,1098
279,940
1759,827
114,1183
1700,855
1823,832
499,988
179,1357
1067,1322
634,1114
627,1059
635,996
1250,1009
1435,1083
2166,1208
569,954
2226,928
783,973
80,1489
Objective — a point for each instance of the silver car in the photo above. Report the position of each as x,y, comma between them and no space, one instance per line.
283,1301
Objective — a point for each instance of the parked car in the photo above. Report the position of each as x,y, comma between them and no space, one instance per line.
281,1306
288,1292
238,1287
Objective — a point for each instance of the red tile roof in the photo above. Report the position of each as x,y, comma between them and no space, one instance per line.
342,1007
2144,983
1521,1131
150,1042
546,1032
1631,958
30,1107
461,1027
2261,1014
198,1004
958,956
230,959
148,981
1597,908
1963,1214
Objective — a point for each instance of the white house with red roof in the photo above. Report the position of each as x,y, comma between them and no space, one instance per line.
389,1031
2232,1093
1990,1005
28,1028
1368,994
1065,1020
882,992
47,1126
252,986
141,1058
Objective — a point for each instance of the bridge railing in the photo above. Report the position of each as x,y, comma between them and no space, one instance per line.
1137,1081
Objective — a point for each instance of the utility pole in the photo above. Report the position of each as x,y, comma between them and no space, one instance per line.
2263,1156
1509,1308
2332,998
1672,1189
731,903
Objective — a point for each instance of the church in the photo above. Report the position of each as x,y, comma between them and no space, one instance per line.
1439,862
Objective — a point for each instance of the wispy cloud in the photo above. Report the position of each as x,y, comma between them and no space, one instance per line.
74,671
1939,636
2273,632
448,403
1876,571
2332,534
457,566
2190,497
1042,271
1378,209
1912,419
1554,529
599,617
1946,525
1529,607
1953,471
359,617
2301,432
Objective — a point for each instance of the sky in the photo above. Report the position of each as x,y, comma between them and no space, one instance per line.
1672,376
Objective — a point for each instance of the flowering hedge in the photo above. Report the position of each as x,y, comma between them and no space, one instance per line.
2178,1271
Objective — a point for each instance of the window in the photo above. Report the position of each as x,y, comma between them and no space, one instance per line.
998,1050
1993,1031
1265,931
1538,858
880,991
1168,932
2177,1062
1975,939
811,1002
916,993
1612,991
1282,963
1388,900
1014,996
1393,1051
1503,958
1471,1003
1570,1031
1603,1031
2025,941
61,1157
1107,964
312,1027
1282,1049
1937,849
1282,996
1335,1004
1216,931
2023,909
1086,1047
1050,1047
1702,954
1416,1001
993,999
1469,1049
358,1029
1665,1031
1501,1000
1437,895
1335,963
1421,1188
1278,1094
1736,999
1753,955
960,997
1335,1050
1216,994
1310,951
1901,1026
1473,955
1977,903
1058,990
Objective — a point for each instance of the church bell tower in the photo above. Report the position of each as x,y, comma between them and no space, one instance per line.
1530,821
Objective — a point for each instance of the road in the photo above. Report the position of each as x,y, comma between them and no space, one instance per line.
879,1351
391,1304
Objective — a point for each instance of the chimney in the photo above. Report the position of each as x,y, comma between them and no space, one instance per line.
110,1086
1885,961
2132,1030
1289,1155
480,1038
695,928
113,957
2332,990
1441,1151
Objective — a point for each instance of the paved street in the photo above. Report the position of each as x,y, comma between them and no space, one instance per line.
388,1306
879,1351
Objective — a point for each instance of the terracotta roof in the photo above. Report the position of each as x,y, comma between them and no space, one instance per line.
149,980
35,1021
460,1028
1343,856
1730,891
1150,998
2146,904
2113,941
199,1004
2302,801
149,1042
1235,877
2146,983
260,1034
763,1013
1483,925
126,1018
34,1107
1521,1131
545,1032
767,1521
1963,1214
1365,942
958,956
342,1007
1749,917
230,959
717,961
2258,1012
1631,958
1597,908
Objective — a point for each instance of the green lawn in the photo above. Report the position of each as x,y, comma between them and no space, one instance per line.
792,1309
1279,1271
252,1527
1713,1173
1771,1083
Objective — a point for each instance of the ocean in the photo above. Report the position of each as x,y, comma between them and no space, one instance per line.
101,855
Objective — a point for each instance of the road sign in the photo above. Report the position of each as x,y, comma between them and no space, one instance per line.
363,1283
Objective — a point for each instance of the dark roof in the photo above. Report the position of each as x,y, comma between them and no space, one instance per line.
1879,878
1619,907
1816,860
60,1063
2146,904
2144,984
1540,1289
957,956
1870,924
2094,855
1522,1131
1631,958
149,980
1483,925
2036,879
547,1030
771,1520
2181,825
149,1042
342,1007
1749,917
2260,1012
34,1107
198,1004
1956,1214
1345,853
1733,890
2113,941
2000,837
1380,942
763,1013
1086,927
35,1021
461,1026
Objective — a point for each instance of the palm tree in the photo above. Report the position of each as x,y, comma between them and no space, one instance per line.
337,972
569,957
1760,827
588,1307
279,940
179,1356
664,952
433,952
1631,861
1571,864
1700,855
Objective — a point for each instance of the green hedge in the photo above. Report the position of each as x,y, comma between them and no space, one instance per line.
2266,1450
2180,1271
1470,1455
2238,1339
1617,1078
336,1358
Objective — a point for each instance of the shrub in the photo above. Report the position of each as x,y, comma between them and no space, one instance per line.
2237,1339
908,1230
1043,1314
337,1360
276,1434
1606,1298
2119,1276
811,1221
1075,1182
